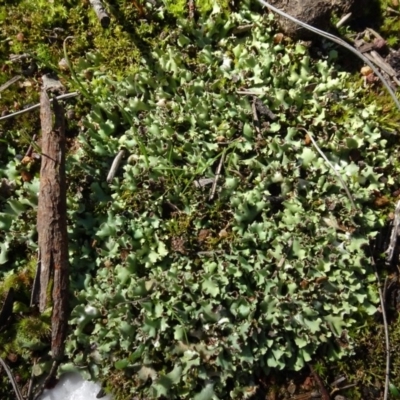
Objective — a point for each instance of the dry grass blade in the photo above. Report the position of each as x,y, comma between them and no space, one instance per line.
6,85
34,107
217,175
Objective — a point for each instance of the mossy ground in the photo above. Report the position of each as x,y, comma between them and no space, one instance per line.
38,29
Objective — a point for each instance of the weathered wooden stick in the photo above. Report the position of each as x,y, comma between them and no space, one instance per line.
101,13
114,166
52,223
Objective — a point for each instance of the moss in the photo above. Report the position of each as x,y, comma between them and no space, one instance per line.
20,280
177,8
207,5
180,8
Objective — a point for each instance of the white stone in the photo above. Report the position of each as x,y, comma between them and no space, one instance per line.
73,387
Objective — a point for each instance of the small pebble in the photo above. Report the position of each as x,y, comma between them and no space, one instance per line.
70,114
292,388
63,65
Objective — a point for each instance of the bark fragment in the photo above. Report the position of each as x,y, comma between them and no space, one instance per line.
52,271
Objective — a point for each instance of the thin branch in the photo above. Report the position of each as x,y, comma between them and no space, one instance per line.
61,97
381,63
338,381
376,34
12,379
30,385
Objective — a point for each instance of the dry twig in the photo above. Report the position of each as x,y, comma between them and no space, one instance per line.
343,20
324,392
4,86
12,380
101,13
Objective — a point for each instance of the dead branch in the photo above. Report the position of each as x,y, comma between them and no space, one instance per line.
323,391
52,224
